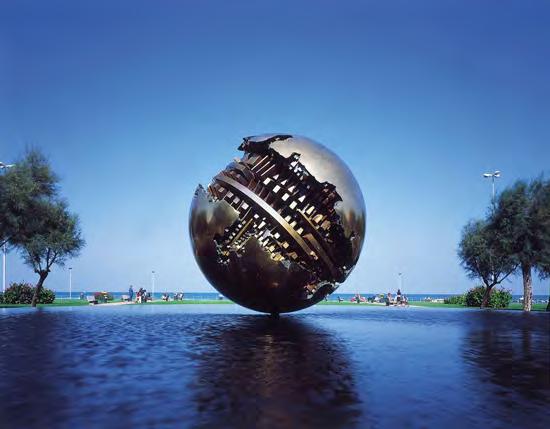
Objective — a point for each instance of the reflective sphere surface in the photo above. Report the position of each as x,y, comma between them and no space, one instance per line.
280,228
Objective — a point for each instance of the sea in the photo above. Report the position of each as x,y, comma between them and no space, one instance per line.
334,297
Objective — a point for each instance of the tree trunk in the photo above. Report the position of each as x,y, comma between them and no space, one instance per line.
548,305
38,288
527,287
486,296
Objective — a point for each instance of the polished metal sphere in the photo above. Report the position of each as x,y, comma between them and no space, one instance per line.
280,228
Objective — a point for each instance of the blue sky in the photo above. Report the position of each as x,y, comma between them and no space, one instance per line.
136,102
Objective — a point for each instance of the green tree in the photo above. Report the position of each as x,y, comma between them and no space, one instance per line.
52,237
34,219
541,215
29,181
515,218
483,253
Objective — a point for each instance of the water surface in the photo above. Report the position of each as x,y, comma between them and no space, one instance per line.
222,366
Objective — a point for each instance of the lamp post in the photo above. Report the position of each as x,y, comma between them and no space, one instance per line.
5,245
4,250
401,282
70,283
493,176
152,285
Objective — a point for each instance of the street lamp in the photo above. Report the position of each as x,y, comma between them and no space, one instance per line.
152,285
401,282
70,283
5,245
4,251
493,176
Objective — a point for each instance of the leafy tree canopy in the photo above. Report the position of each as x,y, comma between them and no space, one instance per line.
22,186
51,237
35,219
483,253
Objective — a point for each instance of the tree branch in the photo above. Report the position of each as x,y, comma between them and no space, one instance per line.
52,261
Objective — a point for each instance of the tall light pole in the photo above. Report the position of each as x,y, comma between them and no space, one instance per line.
493,176
152,285
70,283
5,245
4,250
401,282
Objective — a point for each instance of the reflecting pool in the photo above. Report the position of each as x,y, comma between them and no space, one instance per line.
223,366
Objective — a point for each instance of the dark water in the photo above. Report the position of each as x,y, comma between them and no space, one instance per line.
221,366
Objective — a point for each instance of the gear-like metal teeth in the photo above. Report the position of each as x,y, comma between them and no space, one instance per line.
283,206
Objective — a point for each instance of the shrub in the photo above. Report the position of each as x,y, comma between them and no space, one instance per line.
474,297
500,298
1,298
47,296
19,293
103,296
22,293
455,299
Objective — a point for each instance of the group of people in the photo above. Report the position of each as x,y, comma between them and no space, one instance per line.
400,299
356,298
141,296
388,299
177,297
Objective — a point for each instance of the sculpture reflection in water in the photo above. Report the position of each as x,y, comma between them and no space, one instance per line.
264,372
280,228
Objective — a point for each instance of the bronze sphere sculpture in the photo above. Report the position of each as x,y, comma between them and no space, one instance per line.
280,228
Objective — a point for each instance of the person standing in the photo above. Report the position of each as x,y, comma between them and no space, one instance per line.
131,293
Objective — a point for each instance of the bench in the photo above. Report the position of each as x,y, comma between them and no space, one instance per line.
91,299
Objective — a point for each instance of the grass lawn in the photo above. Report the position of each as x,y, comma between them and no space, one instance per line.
518,306
345,302
436,304
79,302
512,306
191,301
60,303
